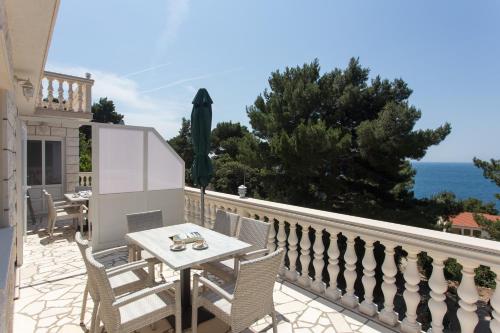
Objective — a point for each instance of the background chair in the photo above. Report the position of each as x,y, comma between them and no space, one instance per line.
63,212
123,278
226,223
134,310
250,299
250,231
139,222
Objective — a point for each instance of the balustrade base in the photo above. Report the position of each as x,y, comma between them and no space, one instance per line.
291,275
318,286
350,300
388,317
304,281
333,293
407,327
369,309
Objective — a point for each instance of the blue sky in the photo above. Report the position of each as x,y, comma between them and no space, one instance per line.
151,56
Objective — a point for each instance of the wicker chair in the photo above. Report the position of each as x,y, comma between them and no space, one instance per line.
134,310
251,231
226,223
242,303
139,222
63,212
123,278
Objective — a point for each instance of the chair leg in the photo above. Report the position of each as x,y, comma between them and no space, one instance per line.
194,319
151,273
94,317
96,324
84,303
275,322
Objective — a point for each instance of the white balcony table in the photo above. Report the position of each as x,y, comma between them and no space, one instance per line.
76,198
157,242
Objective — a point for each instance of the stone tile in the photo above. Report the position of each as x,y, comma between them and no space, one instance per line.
372,327
311,315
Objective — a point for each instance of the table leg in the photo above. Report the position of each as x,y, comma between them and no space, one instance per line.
185,279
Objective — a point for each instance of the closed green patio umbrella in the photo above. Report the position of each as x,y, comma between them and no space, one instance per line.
201,126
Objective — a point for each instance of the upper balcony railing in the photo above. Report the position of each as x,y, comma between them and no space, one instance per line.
370,266
65,93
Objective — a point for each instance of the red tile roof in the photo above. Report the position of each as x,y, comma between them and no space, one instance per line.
466,220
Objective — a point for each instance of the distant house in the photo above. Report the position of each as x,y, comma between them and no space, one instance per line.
465,224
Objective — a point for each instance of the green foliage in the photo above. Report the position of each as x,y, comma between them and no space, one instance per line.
85,153
104,112
335,141
183,145
491,171
490,225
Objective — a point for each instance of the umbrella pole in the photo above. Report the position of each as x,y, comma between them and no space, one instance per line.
203,206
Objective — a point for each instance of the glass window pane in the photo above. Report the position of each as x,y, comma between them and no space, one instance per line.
121,160
165,170
53,163
34,163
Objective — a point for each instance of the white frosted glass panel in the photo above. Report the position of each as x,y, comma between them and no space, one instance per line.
164,168
121,160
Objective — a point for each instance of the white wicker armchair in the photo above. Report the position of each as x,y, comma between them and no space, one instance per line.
226,223
63,212
241,304
123,278
139,222
135,310
251,231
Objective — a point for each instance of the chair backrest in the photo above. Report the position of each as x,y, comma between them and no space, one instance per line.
108,314
83,245
226,223
83,188
144,221
254,232
253,293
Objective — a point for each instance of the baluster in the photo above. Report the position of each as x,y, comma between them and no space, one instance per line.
333,267
271,245
186,209
411,295
389,289
79,97
349,299
69,104
305,243
495,303
468,294
319,261
281,237
369,264
39,99
293,240
50,93
60,94
213,213
438,285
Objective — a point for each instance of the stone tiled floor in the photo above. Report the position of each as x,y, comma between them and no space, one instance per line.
53,280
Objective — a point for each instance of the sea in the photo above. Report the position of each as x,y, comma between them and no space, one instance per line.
463,179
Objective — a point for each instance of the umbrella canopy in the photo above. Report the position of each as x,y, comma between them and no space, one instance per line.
201,125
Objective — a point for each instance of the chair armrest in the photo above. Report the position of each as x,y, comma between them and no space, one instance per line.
214,287
65,206
109,251
129,298
254,254
61,202
126,268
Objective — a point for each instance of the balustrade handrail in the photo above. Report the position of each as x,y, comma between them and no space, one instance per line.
482,251
68,77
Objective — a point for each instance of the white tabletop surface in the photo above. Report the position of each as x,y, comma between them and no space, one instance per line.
73,198
157,242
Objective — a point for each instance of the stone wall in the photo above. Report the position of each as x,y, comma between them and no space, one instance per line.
8,216
67,130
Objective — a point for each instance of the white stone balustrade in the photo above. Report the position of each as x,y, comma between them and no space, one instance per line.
85,179
306,257
64,93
